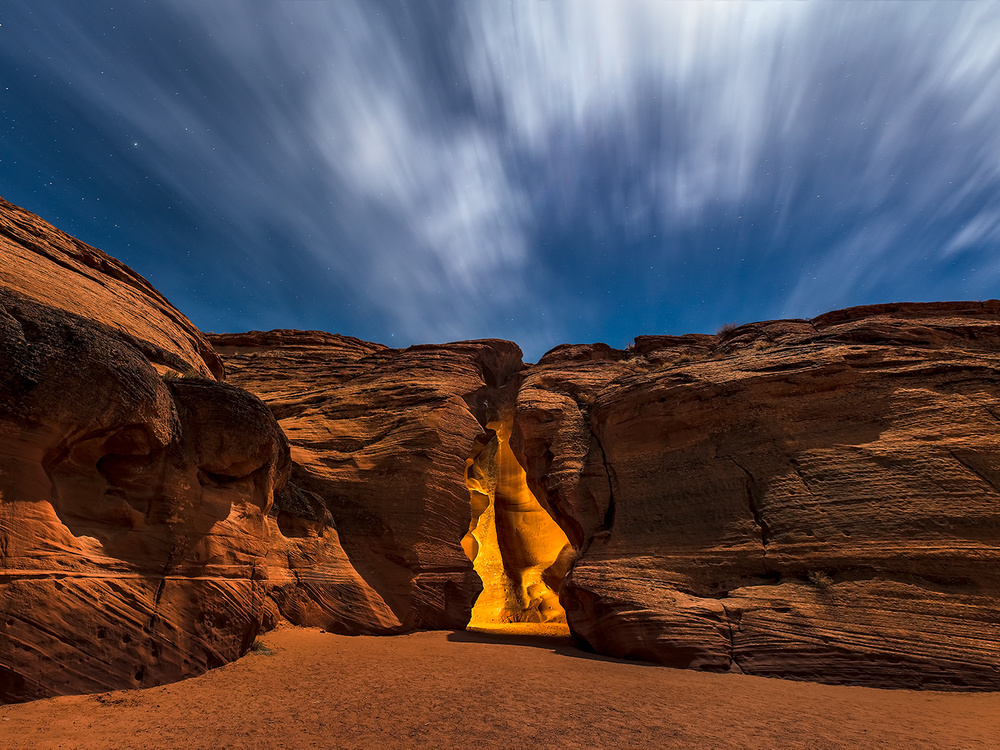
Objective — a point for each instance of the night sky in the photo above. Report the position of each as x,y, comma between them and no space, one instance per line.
544,171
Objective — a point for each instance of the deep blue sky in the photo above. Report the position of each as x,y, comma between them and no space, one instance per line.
538,170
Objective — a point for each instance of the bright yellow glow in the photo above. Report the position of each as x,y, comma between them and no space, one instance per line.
519,552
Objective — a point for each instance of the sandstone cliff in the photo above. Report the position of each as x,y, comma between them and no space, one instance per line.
807,499
50,267
810,499
132,506
380,438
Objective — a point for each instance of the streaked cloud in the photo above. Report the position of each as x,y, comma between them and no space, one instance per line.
539,170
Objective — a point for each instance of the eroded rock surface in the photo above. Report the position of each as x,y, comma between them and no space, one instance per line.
809,499
50,267
132,507
519,552
380,439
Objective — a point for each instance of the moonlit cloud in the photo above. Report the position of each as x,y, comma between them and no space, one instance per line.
538,170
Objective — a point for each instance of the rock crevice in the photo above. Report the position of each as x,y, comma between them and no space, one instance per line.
608,522
752,505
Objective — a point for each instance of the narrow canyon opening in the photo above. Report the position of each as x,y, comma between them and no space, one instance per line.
519,552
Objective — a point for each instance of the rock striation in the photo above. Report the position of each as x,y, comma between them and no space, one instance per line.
380,440
48,266
810,499
132,500
807,499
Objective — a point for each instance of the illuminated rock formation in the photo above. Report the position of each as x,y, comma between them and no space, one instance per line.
380,439
810,499
519,552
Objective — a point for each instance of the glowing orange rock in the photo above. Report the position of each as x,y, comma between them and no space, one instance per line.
519,552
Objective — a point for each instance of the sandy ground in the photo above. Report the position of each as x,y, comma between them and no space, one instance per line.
469,690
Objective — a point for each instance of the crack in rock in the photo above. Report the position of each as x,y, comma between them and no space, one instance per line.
758,518
973,470
795,467
732,638
609,514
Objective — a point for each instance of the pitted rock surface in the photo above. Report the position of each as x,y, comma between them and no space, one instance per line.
133,506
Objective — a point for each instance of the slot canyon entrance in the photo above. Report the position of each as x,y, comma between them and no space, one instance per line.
520,553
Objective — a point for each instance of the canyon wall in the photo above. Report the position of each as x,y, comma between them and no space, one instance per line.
806,499
132,500
380,439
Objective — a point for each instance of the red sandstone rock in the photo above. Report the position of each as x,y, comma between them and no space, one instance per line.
809,499
54,269
817,500
380,437
132,507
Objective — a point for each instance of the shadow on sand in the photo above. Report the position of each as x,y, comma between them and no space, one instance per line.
564,645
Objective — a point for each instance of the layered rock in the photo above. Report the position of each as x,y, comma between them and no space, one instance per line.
809,499
50,267
380,438
132,506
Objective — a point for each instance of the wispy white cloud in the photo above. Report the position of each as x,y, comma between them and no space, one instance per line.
982,229
413,154
427,217
702,82
448,191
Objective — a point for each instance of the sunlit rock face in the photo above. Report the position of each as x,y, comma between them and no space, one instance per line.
132,507
519,552
807,499
380,439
